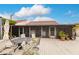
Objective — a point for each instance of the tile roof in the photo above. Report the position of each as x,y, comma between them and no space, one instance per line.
43,23
36,23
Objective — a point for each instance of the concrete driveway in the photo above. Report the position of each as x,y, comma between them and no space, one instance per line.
56,47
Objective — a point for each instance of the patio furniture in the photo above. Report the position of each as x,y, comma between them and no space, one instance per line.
52,37
29,48
23,36
20,40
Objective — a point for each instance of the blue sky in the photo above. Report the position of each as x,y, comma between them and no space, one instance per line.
62,13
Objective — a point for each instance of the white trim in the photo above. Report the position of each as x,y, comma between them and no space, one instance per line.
55,31
49,32
23,30
29,31
41,31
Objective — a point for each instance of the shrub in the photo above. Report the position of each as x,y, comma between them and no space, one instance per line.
62,34
11,22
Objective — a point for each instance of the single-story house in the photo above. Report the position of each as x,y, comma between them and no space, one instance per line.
42,28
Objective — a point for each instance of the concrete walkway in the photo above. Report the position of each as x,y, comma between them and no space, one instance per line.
57,47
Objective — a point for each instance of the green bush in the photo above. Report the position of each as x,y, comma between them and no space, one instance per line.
11,22
62,34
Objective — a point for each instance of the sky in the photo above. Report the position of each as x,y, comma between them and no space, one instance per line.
62,13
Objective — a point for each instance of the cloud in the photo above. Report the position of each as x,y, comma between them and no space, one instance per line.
39,9
43,19
23,12
5,15
71,13
34,10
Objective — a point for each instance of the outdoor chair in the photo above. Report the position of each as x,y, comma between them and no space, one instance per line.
52,37
23,36
31,46
7,47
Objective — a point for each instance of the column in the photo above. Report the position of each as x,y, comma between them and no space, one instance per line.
11,31
55,32
23,30
1,32
19,31
41,31
29,31
49,31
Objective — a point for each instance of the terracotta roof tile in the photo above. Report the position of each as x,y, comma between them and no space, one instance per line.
37,23
20,21
43,23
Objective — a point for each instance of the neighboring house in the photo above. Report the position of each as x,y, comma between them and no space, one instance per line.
41,28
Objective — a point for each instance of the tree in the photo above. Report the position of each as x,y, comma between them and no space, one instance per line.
11,22
3,21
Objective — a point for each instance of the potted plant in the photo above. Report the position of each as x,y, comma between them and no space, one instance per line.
62,35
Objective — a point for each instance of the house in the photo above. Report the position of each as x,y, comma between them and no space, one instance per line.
41,28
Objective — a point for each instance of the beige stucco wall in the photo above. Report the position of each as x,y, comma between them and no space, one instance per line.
77,32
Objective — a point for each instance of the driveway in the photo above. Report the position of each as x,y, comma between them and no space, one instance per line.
56,47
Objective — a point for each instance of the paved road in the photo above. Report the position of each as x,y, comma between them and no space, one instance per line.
57,47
